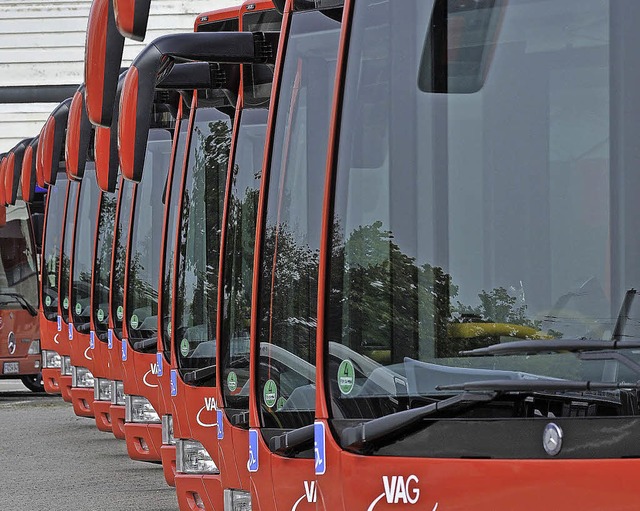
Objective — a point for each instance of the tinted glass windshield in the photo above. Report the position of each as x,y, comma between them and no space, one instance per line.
73,189
120,244
291,240
500,211
238,258
199,250
102,264
83,253
146,236
18,272
173,196
56,201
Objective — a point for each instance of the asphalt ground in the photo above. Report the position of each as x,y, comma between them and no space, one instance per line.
52,460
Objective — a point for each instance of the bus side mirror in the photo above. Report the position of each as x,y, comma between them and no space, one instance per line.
28,179
103,55
52,141
131,17
14,170
156,62
79,131
459,46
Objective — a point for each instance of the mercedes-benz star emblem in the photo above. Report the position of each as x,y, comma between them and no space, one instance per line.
552,439
11,343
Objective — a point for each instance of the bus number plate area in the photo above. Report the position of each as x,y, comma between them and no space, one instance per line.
11,368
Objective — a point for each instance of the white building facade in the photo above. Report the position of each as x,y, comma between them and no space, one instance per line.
42,43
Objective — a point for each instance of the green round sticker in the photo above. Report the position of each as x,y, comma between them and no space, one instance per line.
184,347
232,381
135,323
120,312
47,301
346,376
65,303
281,403
270,393
78,308
100,315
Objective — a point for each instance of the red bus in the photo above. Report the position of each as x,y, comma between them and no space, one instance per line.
19,330
61,198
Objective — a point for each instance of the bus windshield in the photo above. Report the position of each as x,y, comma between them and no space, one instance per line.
287,309
484,218
144,257
199,245
170,236
102,264
85,235
56,197
18,272
73,189
120,244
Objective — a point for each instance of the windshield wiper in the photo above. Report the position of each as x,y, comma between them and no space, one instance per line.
198,375
22,301
623,314
533,346
145,345
537,385
381,428
293,442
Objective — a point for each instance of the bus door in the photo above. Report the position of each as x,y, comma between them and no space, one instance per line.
121,234
143,430
196,293
170,199
81,166
284,318
237,250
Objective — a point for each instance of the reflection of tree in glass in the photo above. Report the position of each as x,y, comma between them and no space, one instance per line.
383,303
200,225
289,297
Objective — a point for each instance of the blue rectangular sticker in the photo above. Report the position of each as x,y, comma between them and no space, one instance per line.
92,340
319,448
173,383
71,331
252,463
59,323
124,349
110,339
220,425
159,363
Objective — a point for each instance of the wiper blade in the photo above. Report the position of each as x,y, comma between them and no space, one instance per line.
381,428
533,346
293,442
537,385
198,375
145,345
22,301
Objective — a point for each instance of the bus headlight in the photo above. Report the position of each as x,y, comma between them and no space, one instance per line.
237,500
81,377
117,393
34,347
65,366
51,360
139,409
102,389
167,430
193,458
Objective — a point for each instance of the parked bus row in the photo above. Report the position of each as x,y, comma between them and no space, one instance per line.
351,254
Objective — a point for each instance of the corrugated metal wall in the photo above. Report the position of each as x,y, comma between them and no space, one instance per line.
42,42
